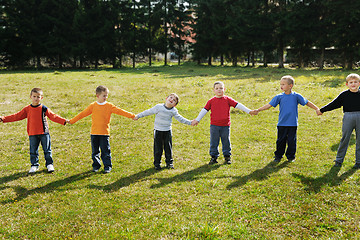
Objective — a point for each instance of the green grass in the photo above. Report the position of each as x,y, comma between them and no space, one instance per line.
250,199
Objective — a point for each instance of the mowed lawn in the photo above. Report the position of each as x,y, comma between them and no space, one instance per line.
250,199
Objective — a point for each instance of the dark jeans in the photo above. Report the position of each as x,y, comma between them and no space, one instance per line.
286,135
45,141
101,142
217,133
162,141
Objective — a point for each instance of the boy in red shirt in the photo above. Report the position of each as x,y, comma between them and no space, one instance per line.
220,121
37,128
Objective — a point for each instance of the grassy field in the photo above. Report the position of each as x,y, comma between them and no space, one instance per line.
250,199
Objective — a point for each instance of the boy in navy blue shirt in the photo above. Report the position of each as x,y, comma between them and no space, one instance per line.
288,117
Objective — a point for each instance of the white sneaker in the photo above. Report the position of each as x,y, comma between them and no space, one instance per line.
50,168
33,169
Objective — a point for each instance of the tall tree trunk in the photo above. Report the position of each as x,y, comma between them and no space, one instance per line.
281,53
222,60
209,60
321,59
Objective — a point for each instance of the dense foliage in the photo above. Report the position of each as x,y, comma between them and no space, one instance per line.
81,33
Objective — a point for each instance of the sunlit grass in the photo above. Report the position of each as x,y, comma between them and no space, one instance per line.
250,199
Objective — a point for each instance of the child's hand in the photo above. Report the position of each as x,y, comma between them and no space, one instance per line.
135,118
318,112
1,118
194,122
68,122
254,112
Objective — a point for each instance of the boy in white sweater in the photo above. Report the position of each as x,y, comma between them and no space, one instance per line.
162,128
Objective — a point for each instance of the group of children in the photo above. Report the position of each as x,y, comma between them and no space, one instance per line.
219,105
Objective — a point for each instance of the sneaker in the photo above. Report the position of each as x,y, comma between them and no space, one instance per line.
170,166
337,164
227,159
157,168
213,161
107,171
276,160
33,169
291,160
50,168
356,166
96,169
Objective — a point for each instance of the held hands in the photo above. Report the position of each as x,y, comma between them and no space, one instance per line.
1,118
318,112
68,122
194,122
254,112
135,118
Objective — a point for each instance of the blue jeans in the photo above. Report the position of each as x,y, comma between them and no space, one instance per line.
217,133
45,141
286,135
101,142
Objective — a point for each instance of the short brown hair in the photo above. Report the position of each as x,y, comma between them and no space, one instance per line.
352,76
175,96
289,79
36,90
101,89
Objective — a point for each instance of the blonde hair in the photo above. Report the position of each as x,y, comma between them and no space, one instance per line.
219,82
289,79
352,76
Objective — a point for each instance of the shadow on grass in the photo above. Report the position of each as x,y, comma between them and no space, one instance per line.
352,142
330,178
23,193
187,176
259,174
125,181
13,177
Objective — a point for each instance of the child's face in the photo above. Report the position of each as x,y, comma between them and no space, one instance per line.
353,84
170,101
285,86
102,96
219,90
36,98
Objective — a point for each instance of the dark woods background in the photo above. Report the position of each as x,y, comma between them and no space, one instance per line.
89,33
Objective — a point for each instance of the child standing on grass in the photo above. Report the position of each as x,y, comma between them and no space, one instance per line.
220,121
162,128
100,112
288,118
37,128
350,101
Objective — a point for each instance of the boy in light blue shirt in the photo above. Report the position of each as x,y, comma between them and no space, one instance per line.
288,118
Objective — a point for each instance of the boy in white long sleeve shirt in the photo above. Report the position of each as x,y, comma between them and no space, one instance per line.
220,121
162,128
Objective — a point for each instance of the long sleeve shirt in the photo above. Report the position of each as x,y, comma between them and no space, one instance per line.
350,101
100,116
163,117
36,119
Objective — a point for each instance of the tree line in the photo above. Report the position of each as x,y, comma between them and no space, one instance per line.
83,33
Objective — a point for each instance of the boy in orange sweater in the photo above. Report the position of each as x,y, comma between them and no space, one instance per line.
101,111
37,128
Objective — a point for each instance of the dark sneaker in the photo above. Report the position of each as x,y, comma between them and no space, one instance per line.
356,166
291,160
337,164
227,159
213,161
276,160
157,168
170,166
